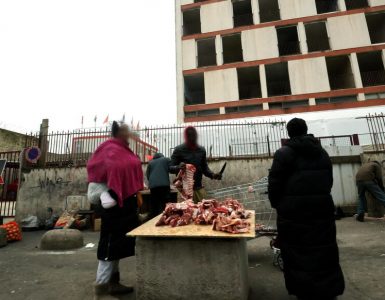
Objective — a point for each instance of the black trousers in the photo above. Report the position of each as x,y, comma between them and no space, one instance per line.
159,197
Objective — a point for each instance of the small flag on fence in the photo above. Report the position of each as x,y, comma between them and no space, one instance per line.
106,120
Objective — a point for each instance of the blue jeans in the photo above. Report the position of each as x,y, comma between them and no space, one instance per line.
371,187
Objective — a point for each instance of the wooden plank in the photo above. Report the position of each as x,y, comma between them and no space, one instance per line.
149,229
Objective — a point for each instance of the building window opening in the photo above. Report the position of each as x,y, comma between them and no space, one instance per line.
232,48
297,103
354,4
371,68
277,77
243,13
326,6
341,99
248,83
340,72
207,55
243,109
194,89
375,96
376,26
317,37
269,11
191,21
288,42
275,105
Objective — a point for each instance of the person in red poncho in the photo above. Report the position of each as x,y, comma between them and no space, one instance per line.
119,170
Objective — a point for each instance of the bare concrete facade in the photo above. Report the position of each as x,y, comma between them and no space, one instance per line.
298,56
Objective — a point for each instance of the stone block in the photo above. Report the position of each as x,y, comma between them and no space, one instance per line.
189,268
62,239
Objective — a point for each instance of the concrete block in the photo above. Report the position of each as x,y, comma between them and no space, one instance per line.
191,269
62,239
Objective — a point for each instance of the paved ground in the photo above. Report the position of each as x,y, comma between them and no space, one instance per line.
30,274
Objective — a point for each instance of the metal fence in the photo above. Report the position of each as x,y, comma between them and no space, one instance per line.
376,125
8,191
241,139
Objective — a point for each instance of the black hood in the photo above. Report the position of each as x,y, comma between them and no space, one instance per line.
158,155
307,145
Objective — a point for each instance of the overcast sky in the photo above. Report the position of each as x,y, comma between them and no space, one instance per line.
66,59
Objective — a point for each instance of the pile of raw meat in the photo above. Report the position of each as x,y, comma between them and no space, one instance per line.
184,182
228,216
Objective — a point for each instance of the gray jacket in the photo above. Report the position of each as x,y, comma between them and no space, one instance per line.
158,171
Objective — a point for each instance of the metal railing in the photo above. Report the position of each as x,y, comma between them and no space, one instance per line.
8,191
241,139
376,124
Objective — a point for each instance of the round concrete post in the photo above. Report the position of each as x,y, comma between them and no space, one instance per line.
62,239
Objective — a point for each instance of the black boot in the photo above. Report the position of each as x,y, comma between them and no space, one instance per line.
116,288
360,217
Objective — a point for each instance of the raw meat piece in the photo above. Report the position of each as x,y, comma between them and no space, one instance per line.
184,182
230,225
228,216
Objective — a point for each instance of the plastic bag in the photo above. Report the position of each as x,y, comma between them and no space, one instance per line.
94,192
13,231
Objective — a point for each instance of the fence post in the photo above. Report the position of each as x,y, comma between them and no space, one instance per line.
268,145
43,142
355,139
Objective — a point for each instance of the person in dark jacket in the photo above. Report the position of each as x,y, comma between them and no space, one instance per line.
157,174
369,179
190,152
300,182
116,167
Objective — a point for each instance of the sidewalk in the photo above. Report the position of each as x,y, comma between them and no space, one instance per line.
30,274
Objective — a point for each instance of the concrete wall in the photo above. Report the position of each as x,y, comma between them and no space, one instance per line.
217,16
260,43
348,32
221,86
183,2
376,2
49,188
11,141
308,76
291,9
179,62
189,52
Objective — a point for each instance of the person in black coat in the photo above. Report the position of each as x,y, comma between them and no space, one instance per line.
190,152
300,182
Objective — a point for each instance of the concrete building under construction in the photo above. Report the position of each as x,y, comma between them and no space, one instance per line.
247,58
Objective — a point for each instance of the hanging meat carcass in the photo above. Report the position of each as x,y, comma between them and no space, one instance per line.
184,182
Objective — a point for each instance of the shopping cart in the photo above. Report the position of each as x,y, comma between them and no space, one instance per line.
254,196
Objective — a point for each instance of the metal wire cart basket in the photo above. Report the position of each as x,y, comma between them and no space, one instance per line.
254,196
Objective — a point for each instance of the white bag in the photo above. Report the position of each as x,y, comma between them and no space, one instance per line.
95,190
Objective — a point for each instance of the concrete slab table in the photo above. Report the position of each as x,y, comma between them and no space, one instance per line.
190,262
